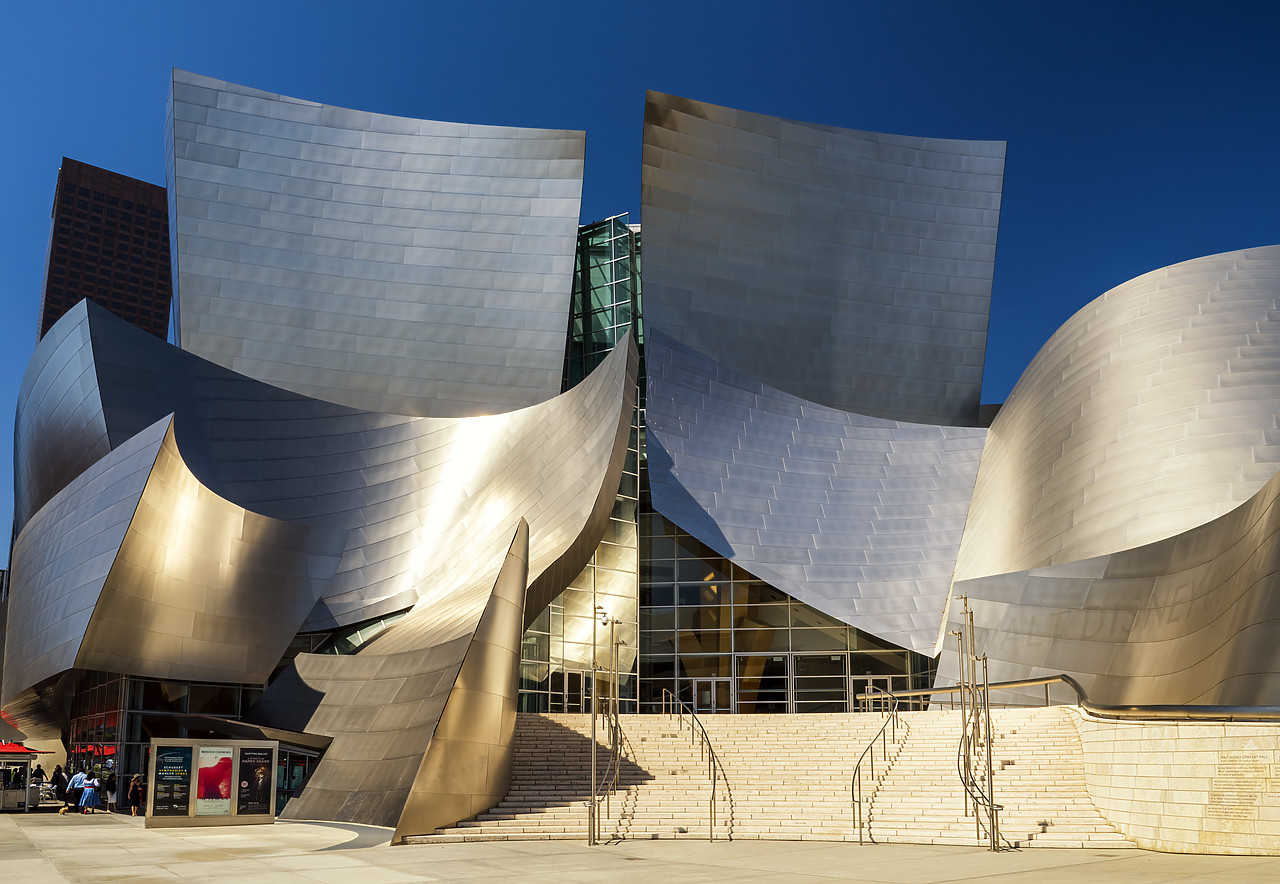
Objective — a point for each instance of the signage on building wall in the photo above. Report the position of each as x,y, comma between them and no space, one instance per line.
172,793
213,781
253,787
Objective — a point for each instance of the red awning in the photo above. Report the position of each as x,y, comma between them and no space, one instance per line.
15,749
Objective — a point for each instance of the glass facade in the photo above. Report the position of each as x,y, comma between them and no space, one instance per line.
691,622
556,654
114,717
717,637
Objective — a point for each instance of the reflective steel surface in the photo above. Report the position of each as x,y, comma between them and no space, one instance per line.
397,265
848,268
1192,619
421,719
200,545
414,496
858,516
1123,527
1151,411
61,560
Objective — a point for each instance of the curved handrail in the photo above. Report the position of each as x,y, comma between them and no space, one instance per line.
1132,712
855,784
713,763
973,787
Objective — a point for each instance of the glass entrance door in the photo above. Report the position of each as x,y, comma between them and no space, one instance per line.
860,684
712,695
763,682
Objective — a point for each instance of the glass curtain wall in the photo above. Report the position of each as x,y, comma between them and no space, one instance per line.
114,717
717,637
556,671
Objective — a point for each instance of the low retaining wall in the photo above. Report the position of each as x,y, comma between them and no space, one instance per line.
1186,787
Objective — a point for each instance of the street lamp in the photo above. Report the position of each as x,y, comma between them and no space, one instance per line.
593,817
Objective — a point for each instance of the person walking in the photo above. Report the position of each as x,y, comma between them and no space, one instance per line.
135,794
75,788
89,797
109,786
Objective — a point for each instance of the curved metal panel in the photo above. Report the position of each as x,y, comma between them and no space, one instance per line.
1192,619
415,494
848,268
397,265
202,589
61,560
857,516
421,718
467,767
59,430
1149,412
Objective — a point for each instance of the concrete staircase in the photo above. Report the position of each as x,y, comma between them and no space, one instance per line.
787,777
1039,780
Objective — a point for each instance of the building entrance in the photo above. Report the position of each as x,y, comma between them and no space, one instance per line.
712,695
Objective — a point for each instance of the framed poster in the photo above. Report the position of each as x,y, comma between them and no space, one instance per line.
213,781
253,786
171,789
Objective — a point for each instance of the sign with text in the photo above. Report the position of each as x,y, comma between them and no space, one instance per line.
213,781
171,795
253,787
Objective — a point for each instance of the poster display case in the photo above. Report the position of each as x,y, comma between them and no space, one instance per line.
211,782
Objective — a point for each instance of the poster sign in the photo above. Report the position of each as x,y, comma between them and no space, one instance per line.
213,781
172,794
253,789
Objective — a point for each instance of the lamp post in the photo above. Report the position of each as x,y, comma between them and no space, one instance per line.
593,816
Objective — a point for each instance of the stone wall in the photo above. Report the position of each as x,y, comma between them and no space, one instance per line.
1186,787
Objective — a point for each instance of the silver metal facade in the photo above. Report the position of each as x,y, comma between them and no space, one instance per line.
1151,411
859,517
422,719
210,535
396,265
1123,527
59,430
851,269
411,498
1191,619
61,561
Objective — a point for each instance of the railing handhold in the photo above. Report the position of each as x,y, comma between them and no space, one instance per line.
705,750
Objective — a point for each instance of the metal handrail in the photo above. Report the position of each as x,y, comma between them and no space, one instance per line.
890,722
713,763
608,783
1131,712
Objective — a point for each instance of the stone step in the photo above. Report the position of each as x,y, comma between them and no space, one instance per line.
789,777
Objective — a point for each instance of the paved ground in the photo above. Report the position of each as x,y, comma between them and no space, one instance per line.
47,848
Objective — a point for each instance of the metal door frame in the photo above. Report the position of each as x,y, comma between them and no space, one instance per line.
791,668
713,679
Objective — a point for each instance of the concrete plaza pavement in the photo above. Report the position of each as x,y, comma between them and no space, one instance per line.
47,848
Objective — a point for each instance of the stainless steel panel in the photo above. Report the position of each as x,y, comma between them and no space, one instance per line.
826,262
1151,411
308,227
858,516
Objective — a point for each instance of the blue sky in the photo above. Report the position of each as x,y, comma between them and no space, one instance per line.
1139,134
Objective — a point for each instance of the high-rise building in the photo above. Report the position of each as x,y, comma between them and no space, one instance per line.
109,243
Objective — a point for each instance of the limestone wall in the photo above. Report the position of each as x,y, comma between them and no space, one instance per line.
1186,787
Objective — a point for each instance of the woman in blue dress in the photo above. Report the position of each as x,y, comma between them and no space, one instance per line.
89,798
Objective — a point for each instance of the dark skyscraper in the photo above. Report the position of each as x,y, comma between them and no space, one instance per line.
110,244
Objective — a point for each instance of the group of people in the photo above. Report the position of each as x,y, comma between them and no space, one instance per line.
85,790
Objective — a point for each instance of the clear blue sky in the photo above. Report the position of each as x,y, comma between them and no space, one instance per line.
1140,133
